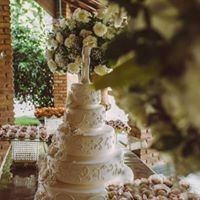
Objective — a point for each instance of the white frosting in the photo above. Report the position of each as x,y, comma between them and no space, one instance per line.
84,95
84,159
89,172
62,191
86,118
99,142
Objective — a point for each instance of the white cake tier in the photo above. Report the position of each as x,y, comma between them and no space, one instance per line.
63,191
88,172
86,118
96,142
84,95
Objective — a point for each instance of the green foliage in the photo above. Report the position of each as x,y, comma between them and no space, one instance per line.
27,121
7,176
32,77
163,34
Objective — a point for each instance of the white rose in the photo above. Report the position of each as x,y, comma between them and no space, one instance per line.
101,70
90,41
52,65
70,41
84,33
81,15
48,54
73,68
59,37
100,29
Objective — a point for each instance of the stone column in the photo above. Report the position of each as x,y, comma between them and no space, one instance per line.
6,69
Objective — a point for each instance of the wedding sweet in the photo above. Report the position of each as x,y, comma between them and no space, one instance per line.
156,187
83,158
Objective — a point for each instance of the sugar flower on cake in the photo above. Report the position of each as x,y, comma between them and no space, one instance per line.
101,70
81,15
70,41
99,29
90,41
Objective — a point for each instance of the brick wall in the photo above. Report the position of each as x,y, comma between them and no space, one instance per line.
59,90
62,85
6,70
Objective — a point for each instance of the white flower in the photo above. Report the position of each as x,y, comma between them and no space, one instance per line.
81,15
101,13
110,33
59,37
62,23
73,68
59,60
52,65
71,24
48,54
118,21
90,41
107,14
101,70
78,60
84,33
53,43
100,29
70,41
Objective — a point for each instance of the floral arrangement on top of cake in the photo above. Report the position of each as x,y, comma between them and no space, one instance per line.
157,76
70,35
49,112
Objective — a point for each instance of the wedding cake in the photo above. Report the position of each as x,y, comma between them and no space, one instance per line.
84,157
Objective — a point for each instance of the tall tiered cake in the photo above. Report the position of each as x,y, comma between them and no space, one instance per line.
84,157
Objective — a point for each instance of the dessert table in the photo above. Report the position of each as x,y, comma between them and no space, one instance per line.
131,143
139,168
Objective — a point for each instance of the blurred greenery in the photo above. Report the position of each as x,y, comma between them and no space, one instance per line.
159,85
32,77
6,177
27,121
